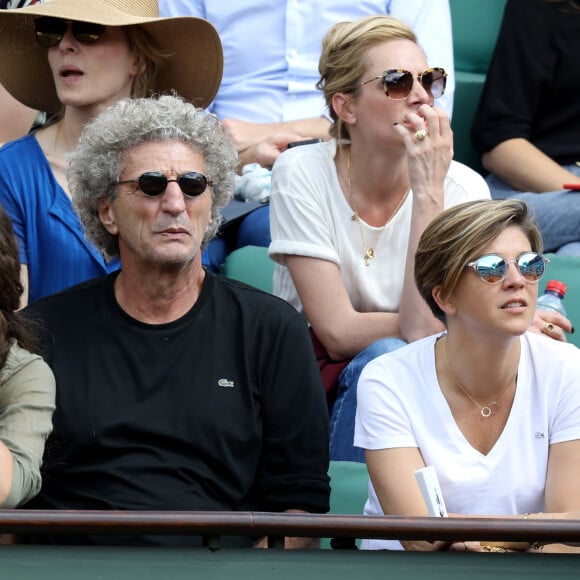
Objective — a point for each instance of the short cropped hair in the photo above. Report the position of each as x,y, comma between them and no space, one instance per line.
459,235
98,161
342,63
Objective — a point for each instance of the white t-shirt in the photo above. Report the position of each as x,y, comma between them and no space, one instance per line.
309,216
400,404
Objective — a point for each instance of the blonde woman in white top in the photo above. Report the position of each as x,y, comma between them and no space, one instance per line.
346,215
493,407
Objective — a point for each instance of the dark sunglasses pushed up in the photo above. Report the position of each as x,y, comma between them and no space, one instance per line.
492,268
154,183
49,31
398,83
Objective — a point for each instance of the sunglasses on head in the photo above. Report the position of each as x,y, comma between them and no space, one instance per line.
398,83
492,268
154,183
49,31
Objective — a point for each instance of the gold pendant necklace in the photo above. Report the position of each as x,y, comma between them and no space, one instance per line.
485,410
368,251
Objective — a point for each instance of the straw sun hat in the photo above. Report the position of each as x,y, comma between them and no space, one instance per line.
193,67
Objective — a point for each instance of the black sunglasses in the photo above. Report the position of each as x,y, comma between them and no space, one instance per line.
154,183
398,83
492,268
49,31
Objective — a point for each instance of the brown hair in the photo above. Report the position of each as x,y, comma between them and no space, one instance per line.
460,234
12,325
342,63
141,43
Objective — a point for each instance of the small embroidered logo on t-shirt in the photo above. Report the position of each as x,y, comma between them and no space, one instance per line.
539,435
226,383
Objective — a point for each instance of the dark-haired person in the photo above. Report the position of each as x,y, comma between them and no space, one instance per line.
73,60
527,125
27,387
493,407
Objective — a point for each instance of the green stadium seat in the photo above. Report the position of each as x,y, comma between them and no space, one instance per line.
475,27
250,264
349,485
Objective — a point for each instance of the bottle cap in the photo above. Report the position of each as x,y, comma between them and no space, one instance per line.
556,286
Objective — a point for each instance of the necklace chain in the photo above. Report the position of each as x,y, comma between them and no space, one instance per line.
369,252
485,410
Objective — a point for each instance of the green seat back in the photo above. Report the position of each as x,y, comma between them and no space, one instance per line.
475,28
349,485
250,264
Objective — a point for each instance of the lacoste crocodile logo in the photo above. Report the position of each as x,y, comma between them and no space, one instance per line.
225,383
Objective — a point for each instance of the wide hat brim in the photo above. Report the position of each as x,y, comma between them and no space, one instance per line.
193,67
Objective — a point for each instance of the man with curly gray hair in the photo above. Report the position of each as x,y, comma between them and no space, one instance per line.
178,389
121,135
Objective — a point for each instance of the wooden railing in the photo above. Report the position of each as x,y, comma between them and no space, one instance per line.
66,562
212,525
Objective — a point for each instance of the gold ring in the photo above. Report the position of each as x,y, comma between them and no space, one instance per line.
549,328
420,135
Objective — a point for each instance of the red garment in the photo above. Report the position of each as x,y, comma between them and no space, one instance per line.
329,369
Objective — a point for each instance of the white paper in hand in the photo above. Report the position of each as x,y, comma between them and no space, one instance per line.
429,484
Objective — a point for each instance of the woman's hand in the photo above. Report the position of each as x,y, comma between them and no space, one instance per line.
428,139
473,546
552,324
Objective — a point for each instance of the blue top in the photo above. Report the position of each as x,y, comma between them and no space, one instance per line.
50,235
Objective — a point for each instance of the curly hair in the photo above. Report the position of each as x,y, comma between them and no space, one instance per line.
12,325
460,234
97,162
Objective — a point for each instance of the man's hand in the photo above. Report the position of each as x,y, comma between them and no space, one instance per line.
267,151
293,543
245,134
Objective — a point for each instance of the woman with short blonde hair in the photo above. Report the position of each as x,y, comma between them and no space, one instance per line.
494,408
